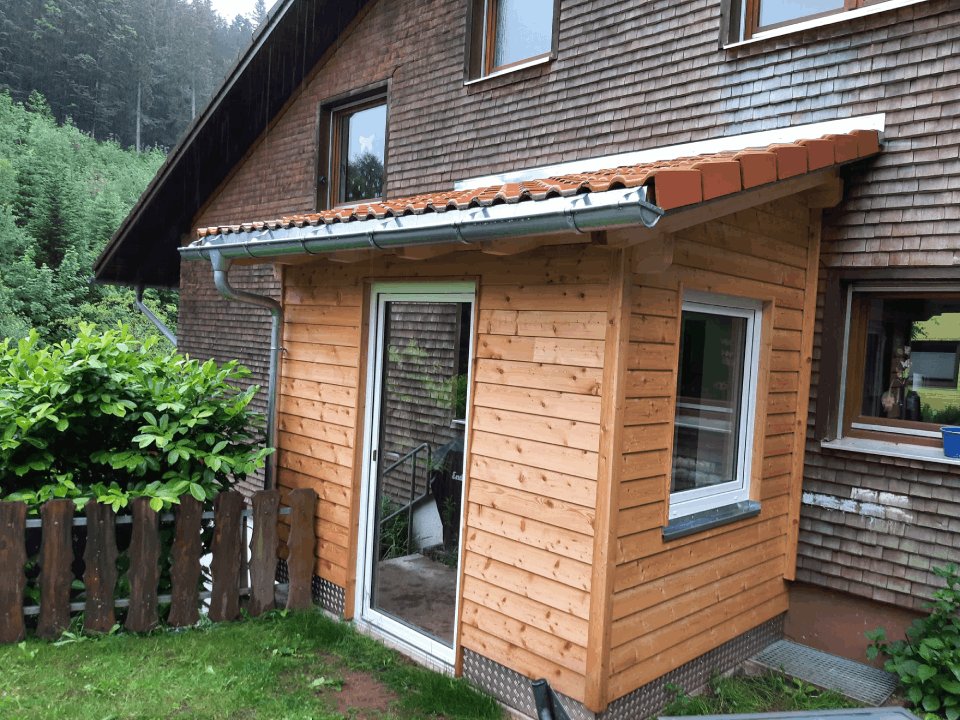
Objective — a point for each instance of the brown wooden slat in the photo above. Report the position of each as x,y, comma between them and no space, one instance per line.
302,544
100,574
185,572
144,573
225,597
56,560
13,581
263,551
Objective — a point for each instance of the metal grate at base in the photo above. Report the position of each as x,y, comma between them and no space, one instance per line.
855,680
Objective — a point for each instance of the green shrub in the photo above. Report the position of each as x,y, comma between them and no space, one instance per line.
928,662
949,415
108,417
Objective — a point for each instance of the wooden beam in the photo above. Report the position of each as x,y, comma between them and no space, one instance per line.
803,392
425,252
690,215
653,256
351,256
616,345
827,195
514,246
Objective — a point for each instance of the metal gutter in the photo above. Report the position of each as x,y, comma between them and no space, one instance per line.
167,333
221,270
581,214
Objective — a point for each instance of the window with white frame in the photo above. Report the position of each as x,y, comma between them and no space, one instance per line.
716,402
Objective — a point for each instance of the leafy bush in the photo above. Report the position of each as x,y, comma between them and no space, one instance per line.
928,662
108,417
949,415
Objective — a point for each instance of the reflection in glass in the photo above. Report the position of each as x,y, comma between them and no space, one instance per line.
420,469
911,357
362,136
709,400
524,29
773,12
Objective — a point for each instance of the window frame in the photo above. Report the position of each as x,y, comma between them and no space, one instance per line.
327,177
691,502
478,59
850,422
743,17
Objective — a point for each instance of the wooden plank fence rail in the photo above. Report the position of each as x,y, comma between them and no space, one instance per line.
100,558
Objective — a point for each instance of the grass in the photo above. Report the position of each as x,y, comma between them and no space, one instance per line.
770,692
283,666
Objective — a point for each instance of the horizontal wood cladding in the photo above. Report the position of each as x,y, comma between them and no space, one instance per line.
676,600
533,445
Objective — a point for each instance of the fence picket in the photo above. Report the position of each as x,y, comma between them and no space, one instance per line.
302,542
13,581
56,568
185,573
144,573
225,599
100,575
263,551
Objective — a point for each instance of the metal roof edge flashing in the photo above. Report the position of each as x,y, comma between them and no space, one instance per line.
578,214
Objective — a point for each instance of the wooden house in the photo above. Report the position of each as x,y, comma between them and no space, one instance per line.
547,299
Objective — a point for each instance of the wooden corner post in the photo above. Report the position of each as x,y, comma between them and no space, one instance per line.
811,284
616,344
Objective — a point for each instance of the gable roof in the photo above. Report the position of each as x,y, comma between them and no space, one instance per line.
674,185
283,51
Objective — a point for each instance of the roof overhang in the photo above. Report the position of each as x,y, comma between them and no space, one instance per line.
283,52
687,192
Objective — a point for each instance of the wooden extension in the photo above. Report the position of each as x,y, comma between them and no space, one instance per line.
263,551
144,573
303,539
185,573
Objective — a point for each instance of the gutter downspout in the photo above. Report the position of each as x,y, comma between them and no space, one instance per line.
221,269
167,333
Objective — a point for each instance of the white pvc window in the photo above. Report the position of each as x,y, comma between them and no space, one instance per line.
716,402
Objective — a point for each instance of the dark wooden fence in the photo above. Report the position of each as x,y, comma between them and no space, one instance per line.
228,564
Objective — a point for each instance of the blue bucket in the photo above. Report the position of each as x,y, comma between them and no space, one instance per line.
951,441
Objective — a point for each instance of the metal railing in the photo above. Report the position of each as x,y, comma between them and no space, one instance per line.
414,498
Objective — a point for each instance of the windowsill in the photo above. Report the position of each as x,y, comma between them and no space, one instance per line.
708,519
510,70
920,453
824,21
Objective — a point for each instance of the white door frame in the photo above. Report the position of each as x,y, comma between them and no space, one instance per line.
420,644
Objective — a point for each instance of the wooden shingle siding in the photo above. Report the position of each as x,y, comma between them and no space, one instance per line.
673,601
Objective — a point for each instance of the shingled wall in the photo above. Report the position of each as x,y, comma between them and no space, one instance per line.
631,76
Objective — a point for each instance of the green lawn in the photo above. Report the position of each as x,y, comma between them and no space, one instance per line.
285,666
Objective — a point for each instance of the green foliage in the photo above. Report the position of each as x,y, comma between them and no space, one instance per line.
949,415
62,196
928,661
105,416
393,531
770,692
281,665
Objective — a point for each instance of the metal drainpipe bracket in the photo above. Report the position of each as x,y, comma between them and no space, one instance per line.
650,214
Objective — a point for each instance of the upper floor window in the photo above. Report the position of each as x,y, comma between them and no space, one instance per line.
903,364
358,152
716,402
508,33
756,17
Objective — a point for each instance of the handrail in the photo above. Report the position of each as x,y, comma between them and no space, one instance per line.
408,508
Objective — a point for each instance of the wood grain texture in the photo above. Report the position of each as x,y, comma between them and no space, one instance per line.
144,573
185,571
303,540
226,549
100,574
13,579
803,395
56,571
619,329
263,551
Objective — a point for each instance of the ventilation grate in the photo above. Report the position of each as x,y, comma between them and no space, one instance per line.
855,680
